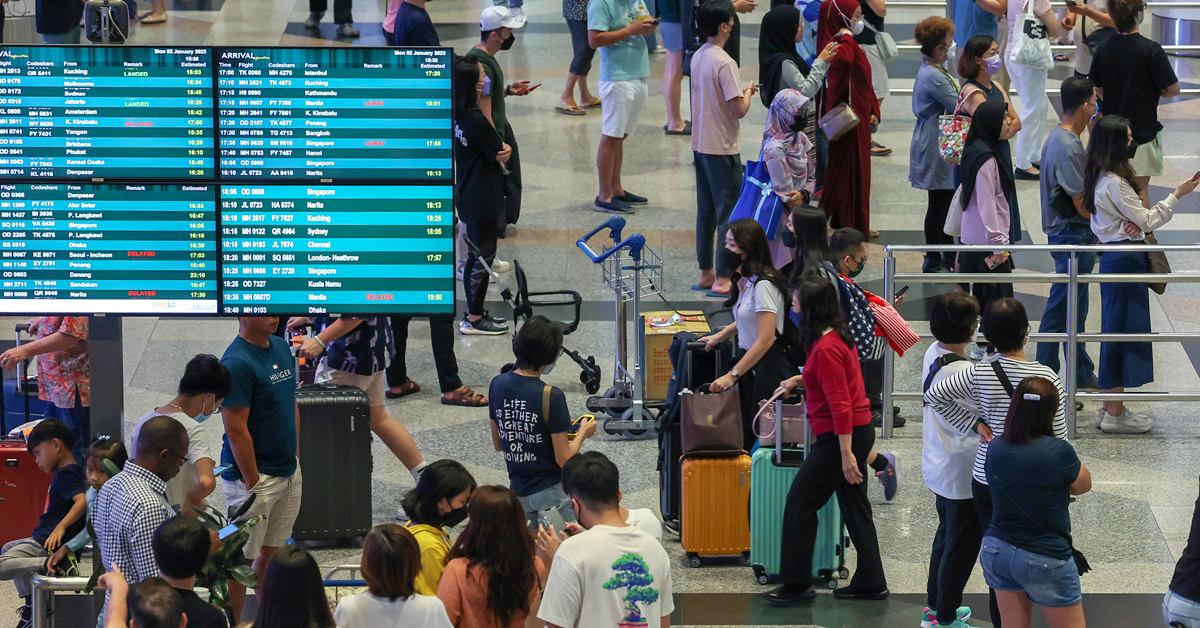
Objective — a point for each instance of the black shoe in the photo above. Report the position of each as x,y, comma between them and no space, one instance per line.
494,319
25,614
789,594
615,206
314,20
1025,176
631,198
933,263
481,327
850,593
897,420
348,31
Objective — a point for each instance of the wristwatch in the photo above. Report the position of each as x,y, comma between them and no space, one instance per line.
735,373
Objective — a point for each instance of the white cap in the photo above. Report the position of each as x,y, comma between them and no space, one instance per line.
496,17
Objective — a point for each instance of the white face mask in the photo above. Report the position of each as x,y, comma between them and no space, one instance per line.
952,50
857,28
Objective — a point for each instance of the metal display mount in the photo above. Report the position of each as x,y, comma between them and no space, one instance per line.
633,271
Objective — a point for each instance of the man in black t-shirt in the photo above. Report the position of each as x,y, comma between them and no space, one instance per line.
1131,73
181,548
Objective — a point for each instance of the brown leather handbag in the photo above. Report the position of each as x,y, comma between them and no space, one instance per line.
711,423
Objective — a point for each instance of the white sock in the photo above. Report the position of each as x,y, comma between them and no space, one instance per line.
416,471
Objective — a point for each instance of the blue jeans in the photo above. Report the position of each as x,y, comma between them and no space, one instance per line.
553,497
1046,580
1054,319
79,419
718,183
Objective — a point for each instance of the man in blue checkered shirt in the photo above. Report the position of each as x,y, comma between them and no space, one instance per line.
131,505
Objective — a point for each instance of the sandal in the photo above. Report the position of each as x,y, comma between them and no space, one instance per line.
154,20
573,110
465,397
407,388
879,150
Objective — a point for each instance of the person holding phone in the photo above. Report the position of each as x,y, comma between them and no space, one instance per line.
1113,195
988,192
530,421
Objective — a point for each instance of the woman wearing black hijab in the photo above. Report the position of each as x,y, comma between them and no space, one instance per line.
989,198
781,67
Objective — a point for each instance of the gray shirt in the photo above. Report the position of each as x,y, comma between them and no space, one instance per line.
809,85
1062,166
933,95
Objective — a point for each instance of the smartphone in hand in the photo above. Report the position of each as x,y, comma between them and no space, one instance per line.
901,292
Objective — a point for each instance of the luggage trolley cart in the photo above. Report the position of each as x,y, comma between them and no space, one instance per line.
632,270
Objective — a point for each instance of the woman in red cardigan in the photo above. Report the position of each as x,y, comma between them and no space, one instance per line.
846,199
840,416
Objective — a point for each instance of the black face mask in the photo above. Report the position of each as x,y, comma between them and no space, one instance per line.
732,260
1131,150
789,238
798,124
454,517
508,43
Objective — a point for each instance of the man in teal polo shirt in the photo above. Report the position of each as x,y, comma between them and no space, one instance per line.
617,28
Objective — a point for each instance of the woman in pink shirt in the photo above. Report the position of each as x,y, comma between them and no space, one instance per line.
988,195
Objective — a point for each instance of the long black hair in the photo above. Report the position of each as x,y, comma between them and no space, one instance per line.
812,241
752,240
444,479
293,595
466,84
1107,151
820,309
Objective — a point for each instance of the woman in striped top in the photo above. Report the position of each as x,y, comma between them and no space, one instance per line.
1007,327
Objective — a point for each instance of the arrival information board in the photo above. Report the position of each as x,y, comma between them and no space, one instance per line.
113,112
295,249
335,113
82,248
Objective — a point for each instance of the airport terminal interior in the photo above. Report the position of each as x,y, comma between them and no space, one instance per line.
1132,526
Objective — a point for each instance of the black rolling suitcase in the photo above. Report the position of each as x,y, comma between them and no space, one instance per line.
335,458
689,357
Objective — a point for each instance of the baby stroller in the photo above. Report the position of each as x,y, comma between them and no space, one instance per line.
523,304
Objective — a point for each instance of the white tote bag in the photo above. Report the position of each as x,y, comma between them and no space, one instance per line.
953,226
1030,46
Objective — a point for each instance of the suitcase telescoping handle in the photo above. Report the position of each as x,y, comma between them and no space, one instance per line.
22,367
779,437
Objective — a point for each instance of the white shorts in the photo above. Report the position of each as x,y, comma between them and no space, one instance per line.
621,103
1148,160
278,499
879,75
373,385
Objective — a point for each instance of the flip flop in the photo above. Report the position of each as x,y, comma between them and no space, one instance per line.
712,294
479,400
687,129
570,111
879,153
593,104
409,388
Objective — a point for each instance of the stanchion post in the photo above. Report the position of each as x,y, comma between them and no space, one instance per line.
889,359
1070,359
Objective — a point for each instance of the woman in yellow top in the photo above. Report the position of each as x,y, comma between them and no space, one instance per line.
437,503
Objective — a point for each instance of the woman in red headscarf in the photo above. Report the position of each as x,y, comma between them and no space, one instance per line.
846,199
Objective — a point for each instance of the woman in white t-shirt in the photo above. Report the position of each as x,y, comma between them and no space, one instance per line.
391,560
759,319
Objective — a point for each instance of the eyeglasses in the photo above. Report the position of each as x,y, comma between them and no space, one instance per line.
176,454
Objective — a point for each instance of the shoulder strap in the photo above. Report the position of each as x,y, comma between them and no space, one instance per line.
546,404
937,365
1003,377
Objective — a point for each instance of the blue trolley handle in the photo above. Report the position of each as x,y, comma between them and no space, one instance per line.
635,242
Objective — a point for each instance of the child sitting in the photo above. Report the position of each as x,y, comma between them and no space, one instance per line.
50,443
103,448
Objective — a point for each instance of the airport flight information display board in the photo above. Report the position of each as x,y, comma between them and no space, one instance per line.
320,249
113,112
128,248
335,113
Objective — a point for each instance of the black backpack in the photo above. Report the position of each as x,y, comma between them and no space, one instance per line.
937,365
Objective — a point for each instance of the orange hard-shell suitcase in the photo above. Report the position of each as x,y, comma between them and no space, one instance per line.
716,507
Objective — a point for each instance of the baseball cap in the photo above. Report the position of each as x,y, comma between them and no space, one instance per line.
496,17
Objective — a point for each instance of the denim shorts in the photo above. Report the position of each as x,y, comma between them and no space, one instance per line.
553,497
1046,581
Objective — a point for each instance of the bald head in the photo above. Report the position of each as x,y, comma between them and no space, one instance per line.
162,447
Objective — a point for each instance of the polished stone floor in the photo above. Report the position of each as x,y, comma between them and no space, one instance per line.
1132,526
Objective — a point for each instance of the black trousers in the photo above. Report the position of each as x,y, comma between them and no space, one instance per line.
955,548
341,9
872,372
985,293
983,507
935,217
819,478
441,336
483,234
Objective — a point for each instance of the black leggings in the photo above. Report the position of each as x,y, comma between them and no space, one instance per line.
483,234
935,217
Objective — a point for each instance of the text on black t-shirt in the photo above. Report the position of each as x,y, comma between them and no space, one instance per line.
515,403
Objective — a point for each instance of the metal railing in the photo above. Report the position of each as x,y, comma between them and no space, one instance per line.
1072,337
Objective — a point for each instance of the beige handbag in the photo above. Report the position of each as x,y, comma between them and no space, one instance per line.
839,120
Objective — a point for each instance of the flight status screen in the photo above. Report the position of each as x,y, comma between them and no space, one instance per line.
109,112
117,249
352,249
335,113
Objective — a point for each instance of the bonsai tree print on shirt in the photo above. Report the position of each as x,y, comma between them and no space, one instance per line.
633,575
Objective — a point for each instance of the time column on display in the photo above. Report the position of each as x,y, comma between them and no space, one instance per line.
294,249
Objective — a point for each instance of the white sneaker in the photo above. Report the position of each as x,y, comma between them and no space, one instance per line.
1100,414
500,266
401,516
1127,423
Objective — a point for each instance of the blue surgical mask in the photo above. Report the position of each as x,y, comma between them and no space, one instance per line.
204,416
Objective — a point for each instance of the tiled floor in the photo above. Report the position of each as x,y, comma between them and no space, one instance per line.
1132,526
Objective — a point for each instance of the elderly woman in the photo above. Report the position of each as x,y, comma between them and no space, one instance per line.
935,93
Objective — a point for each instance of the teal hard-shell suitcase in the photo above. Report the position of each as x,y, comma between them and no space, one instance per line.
771,481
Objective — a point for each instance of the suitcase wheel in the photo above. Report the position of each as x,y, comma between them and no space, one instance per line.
760,574
832,584
746,558
843,573
693,560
